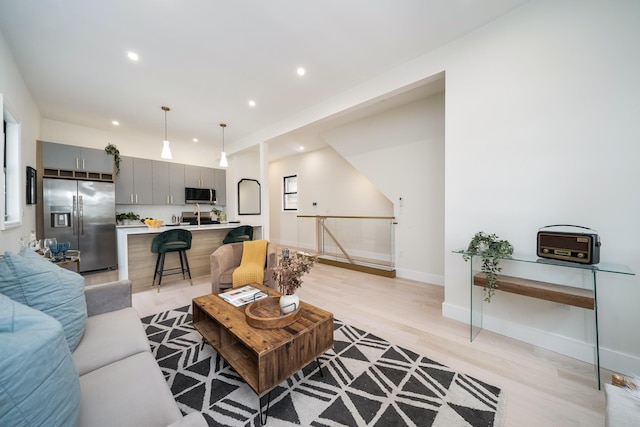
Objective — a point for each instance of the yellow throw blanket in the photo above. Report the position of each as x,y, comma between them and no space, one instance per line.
251,269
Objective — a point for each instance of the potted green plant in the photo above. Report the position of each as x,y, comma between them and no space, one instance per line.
127,217
491,249
111,150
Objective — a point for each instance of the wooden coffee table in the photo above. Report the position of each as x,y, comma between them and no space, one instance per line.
262,357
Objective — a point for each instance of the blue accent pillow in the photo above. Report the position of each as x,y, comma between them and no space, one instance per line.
37,282
39,384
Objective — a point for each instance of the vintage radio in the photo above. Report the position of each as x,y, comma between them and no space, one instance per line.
582,247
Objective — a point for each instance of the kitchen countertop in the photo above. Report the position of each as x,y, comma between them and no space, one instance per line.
136,232
143,229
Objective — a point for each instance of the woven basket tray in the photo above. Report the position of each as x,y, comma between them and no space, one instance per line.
265,314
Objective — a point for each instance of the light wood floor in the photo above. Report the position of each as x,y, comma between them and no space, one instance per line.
543,388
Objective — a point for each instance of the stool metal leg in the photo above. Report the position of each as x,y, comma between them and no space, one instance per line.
161,270
155,272
181,265
186,261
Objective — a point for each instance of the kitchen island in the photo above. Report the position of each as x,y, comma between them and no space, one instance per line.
136,262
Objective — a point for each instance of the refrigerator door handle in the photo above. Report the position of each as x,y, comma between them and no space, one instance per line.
81,216
74,214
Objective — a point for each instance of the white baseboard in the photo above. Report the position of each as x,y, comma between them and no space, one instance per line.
609,359
433,279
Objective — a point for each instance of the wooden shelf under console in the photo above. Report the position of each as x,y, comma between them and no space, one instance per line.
578,297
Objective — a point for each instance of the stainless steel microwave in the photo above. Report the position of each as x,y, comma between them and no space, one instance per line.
200,195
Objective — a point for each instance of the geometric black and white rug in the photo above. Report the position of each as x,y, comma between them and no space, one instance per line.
367,382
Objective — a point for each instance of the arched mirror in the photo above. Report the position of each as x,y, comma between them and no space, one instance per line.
248,197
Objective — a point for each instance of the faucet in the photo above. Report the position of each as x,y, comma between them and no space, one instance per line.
196,210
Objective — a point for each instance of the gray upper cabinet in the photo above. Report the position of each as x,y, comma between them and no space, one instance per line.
70,157
192,176
221,186
134,184
199,177
208,177
168,183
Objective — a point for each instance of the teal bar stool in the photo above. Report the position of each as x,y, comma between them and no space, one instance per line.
177,240
239,234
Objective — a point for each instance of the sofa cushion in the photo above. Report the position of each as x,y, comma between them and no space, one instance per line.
34,281
110,337
130,392
38,380
621,409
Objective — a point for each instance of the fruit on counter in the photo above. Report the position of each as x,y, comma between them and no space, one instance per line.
153,223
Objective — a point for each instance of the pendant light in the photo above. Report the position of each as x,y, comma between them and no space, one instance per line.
223,156
166,151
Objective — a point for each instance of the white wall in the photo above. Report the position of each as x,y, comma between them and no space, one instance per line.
542,128
19,102
131,142
402,152
245,165
326,178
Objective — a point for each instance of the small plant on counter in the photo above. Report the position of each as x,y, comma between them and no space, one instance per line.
111,150
128,216
491,250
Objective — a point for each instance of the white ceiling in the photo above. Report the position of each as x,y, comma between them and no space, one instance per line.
206,59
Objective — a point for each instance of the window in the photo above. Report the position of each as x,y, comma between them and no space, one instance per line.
10,179
290,193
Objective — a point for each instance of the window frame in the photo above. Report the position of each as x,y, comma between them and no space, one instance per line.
10,179
286,193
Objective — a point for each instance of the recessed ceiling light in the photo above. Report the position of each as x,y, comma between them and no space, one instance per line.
252,103
301,148
301,71
133,56
115,123
195,139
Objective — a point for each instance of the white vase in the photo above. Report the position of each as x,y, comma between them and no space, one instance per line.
289,303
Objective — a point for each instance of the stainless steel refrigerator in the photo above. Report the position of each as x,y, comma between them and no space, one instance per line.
82,213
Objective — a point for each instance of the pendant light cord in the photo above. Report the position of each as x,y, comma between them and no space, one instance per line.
223,125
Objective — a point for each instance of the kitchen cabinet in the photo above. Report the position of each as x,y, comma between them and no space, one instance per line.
221,186
168,183
134,184
73,158
199,177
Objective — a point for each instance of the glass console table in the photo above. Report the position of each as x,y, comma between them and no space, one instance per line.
579,297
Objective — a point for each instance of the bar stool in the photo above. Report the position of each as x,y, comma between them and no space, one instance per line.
177,240
239,234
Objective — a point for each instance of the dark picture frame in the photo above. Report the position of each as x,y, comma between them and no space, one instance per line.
249,197
32,186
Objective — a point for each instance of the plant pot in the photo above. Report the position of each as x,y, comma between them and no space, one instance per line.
289,303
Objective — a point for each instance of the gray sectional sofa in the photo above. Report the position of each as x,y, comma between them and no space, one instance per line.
52,374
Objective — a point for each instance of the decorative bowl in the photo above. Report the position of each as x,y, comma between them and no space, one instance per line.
265,314
153,223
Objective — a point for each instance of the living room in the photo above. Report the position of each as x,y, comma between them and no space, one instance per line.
538,126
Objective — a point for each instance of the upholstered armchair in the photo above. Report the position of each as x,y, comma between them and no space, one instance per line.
226,259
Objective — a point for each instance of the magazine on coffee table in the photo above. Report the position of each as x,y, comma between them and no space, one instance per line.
243,295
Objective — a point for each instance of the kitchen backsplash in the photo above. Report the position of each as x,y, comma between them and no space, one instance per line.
163,212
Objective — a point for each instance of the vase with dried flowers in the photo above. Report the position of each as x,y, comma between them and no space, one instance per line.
288,276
